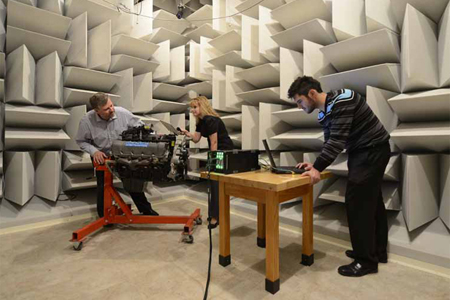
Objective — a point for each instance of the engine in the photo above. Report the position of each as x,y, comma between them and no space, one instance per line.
142,155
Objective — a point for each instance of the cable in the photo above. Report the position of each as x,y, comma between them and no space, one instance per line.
140,12
70,196
266,165
125,9
114,174
269,167
208,168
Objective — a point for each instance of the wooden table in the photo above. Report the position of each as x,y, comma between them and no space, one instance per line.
268,190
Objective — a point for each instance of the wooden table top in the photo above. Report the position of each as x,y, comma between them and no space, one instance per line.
264,179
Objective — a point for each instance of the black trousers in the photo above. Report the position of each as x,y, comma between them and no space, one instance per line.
139,199
366,214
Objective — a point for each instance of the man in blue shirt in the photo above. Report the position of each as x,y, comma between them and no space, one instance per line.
96,133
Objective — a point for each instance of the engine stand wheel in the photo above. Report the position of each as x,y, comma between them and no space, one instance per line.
77,246
188,239
198,221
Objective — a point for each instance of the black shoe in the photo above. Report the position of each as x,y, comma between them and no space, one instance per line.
355,269
350,254
212,226
151,213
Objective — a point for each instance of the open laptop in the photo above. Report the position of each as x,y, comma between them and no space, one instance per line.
281,170
170,127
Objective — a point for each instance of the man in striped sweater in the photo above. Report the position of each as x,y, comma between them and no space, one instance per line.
349,123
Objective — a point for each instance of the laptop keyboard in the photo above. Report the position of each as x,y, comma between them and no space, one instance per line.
293,169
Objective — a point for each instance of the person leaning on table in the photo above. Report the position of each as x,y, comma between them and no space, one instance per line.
96,133
349,123
211,126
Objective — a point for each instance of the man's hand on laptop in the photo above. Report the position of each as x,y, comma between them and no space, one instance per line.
307,166
314,174
310,171
99,157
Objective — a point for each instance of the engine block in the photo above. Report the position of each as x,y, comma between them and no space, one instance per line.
142,156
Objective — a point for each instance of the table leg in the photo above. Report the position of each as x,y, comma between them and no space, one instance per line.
272,245
224,227
307,229
261,239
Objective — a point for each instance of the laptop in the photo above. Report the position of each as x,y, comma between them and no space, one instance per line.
170,127
281,170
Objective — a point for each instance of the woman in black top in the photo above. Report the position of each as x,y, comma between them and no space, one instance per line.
210,125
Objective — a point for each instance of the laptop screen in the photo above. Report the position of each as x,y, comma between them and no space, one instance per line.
170,127
272,161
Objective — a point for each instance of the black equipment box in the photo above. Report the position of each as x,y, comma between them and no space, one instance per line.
233,161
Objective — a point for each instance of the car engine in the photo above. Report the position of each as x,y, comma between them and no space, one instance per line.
143,155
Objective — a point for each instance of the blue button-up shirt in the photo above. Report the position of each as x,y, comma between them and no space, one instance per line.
95,134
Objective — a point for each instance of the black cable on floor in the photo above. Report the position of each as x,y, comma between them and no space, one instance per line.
208,167
210,241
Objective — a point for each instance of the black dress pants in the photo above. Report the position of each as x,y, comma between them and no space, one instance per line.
139,199
366,214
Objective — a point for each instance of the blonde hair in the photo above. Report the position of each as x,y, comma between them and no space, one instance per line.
205,107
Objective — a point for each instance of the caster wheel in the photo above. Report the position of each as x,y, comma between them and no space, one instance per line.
198,221
188,239
77,246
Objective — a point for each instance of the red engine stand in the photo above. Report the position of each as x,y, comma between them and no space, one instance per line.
120,213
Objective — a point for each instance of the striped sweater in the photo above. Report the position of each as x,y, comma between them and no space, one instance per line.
348,122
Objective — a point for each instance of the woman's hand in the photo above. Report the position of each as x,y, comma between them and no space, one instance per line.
186,133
